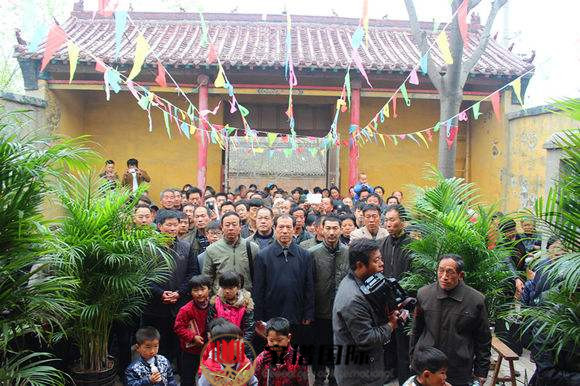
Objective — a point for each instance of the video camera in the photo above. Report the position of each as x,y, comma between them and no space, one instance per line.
387,294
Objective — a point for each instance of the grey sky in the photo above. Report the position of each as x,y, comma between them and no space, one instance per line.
549,28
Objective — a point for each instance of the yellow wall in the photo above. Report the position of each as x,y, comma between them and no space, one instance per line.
397,167
119,129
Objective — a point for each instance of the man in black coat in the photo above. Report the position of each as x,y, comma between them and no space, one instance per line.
283,284
451,316
168,297
397,261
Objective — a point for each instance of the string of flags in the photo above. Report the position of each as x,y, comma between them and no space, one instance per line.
189,121
370,132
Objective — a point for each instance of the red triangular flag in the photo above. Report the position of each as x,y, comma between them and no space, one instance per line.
495,104
395,106
211,54
285,138
100,66
452,134
160,79
429,135
56,38
462,19
102,7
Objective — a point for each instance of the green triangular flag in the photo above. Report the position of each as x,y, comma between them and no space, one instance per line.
166,119
244,111
437,126
287,152
271,138
403,89
347,86
144,102
313,151
476,112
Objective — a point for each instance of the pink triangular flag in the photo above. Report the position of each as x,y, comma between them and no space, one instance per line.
211,54
100,66
413,78
160,79
495,104
462,19
56,38
395,106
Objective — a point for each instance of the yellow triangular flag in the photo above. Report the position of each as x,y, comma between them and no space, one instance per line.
443,44
142,49
420,135
386,110
220,81
382,139
73,57
517,85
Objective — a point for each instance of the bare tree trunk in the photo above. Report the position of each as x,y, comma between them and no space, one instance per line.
450,79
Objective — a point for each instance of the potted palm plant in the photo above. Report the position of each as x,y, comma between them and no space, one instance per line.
446,218
113,262
32,309
553,320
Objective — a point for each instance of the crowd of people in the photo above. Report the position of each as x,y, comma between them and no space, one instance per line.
283,271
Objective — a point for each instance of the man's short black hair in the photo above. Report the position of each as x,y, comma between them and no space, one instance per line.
458,260
228,203
360,250
379,187
296,190
310,219
145,199
215,224
164,215
221,328
253,186
429,358
317,189
368,207
375,195
221,194
268,209
282,216
181,215
192,190
333,187
330,219
147,333
109,162
364,188
229,279
279,325
347,216
231,213
255,203
140,206
242,202
199,281
395,197
132,162
297,209
210,189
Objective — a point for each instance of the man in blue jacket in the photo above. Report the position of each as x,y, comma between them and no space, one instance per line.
284,281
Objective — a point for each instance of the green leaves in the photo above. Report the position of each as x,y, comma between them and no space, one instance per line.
441,219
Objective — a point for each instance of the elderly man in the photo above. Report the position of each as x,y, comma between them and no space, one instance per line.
372,225
451,316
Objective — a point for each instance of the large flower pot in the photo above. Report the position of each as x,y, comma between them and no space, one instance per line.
102,378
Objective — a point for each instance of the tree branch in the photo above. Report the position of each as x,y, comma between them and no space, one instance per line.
484,38
421,41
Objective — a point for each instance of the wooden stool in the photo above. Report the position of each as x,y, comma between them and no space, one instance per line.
504,352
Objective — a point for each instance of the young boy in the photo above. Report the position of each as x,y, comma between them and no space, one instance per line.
150,368
190,327
277,365
223,356
234,304
431,366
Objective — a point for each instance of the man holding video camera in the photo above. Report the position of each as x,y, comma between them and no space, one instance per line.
361,329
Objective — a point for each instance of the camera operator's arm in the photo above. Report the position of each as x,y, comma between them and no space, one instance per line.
358,319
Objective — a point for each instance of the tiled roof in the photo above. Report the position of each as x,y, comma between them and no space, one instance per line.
247,40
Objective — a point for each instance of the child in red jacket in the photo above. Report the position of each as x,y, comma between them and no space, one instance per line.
190,327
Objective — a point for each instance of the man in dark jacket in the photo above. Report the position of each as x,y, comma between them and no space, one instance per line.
397,261
284,280
169,296
451,316
330,267
300,233
359,325
264,235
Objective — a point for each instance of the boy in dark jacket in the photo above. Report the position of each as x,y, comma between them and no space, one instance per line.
190,327
234,304
278,364
150,368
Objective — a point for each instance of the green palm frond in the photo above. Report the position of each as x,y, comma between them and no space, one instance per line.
441,216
